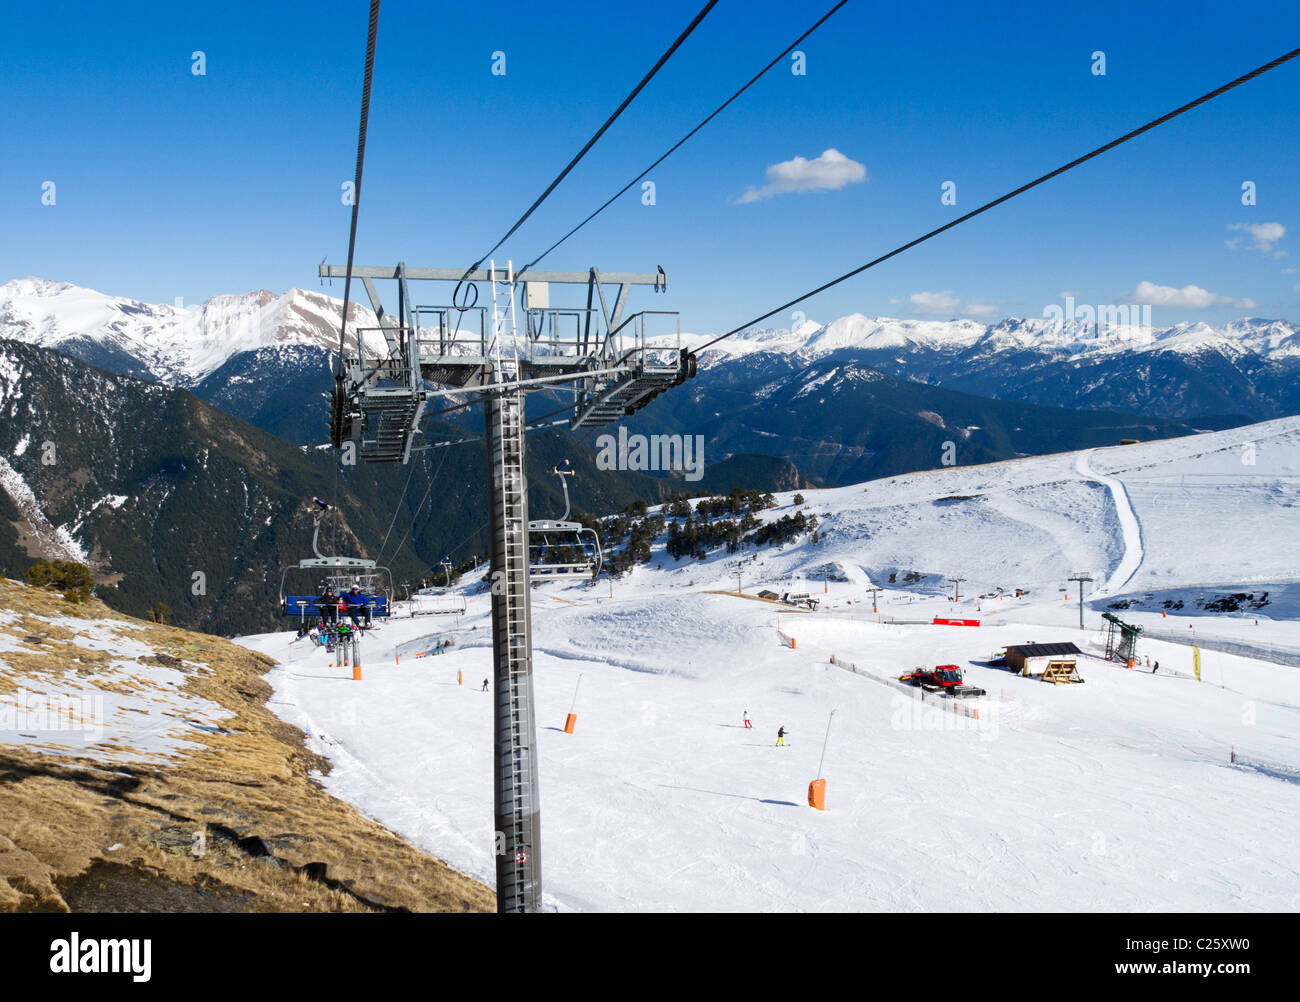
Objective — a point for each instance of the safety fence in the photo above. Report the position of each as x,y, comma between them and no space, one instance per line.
1268,767
916,692
1264,652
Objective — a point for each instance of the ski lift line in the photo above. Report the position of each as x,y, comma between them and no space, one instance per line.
432,480
599,132
371,36
529,425
521,383
453,441
673,149
1258,71
397,507
452,409
356,184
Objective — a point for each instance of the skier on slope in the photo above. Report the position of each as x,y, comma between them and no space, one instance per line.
748,724
485,685
780,735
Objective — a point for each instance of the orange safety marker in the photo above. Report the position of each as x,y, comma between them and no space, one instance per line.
356,673
817,788
399,659
460,678
572,719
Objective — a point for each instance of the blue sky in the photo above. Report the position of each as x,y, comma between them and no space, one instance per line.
170,184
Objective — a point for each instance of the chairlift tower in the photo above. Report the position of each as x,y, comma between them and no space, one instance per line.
1081,578
612,366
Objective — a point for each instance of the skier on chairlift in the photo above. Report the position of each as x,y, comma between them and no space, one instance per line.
328,604
357,607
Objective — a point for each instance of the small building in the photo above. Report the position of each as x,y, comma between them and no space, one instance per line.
771,596
1033,659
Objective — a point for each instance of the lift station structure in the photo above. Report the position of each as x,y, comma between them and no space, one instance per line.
613,365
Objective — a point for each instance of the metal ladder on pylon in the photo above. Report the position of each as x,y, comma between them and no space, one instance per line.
503,321
515,758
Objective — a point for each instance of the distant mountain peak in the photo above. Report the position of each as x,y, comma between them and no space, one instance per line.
172,344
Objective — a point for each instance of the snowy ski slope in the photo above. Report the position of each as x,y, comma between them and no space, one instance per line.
1117,794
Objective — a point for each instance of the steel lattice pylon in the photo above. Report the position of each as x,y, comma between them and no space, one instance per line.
613,364
515,800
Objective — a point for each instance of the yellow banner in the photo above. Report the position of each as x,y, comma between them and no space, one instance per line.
1196,662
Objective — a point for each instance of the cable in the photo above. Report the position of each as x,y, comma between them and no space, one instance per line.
396,508
453,409
432,480
1012,194
559,410
672,149
336,417
599,132
361,159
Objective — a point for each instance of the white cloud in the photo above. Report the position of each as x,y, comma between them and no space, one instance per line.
933,302
1263,237
1189,297
1290,271
945,304
829,172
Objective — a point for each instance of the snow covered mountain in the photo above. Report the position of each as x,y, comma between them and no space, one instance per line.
176,345
1245,368
1275,340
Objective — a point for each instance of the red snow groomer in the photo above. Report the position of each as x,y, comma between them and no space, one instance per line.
946,679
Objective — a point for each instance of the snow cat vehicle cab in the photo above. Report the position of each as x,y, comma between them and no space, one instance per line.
559,546
340,573
945,679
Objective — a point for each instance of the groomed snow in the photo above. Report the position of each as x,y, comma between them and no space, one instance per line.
1118,794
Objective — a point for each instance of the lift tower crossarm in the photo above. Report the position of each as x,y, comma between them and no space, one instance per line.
484,275
614,366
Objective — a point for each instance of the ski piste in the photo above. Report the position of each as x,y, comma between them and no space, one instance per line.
1030,789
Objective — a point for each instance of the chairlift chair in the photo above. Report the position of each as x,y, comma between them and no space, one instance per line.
340,573
559,546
